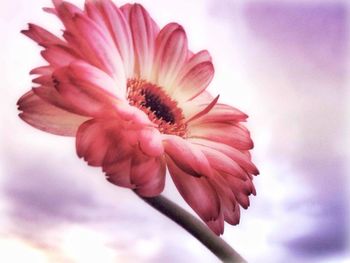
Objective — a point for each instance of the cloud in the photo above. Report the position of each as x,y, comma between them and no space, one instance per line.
42,196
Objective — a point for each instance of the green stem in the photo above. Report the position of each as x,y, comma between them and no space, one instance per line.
195,227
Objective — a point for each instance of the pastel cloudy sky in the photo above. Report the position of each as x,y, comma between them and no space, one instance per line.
285,63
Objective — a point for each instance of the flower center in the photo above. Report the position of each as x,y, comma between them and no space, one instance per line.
160,108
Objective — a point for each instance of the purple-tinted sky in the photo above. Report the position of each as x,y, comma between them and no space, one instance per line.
310,43
316,32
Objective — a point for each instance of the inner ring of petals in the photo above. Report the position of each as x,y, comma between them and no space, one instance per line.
159,107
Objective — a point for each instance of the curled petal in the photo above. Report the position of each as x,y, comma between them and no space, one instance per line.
203,111
197,105
223,113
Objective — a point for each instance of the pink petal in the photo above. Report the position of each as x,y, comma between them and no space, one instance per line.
126,9
66,11
123,146
92,143
93,10
204,111
119,173
241,189
197,192
50,95
42,36
236,155
46,117
148,174
225,133
217,225
223,113
194,78
171,53
222,163
50,10
202,99
186,156
151,141
195,59
81,73
44,80
99,48
44,70
229,205
59,55
109,17
144,31
87,89
197,105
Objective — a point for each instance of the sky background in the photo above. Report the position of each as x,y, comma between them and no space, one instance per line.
284,63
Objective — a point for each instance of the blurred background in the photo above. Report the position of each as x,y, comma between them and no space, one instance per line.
284,63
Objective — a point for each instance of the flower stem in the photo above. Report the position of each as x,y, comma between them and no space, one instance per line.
195,227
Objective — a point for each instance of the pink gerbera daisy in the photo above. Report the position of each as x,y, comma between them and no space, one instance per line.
135,98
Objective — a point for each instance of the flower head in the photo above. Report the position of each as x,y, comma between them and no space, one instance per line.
135,98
